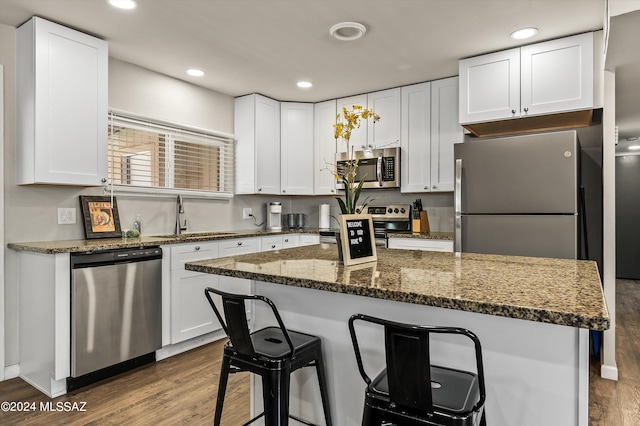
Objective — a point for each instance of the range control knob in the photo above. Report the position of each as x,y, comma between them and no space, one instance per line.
402,210
395,210
358,211
390,211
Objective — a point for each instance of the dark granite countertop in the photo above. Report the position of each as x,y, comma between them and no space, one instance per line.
555,291
80,246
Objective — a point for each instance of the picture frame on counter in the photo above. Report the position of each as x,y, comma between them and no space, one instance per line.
357,239
100,217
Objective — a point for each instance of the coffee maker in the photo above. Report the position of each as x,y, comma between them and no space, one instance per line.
274,216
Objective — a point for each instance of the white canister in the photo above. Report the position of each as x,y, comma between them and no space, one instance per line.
324,216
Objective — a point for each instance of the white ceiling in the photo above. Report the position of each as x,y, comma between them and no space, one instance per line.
266,46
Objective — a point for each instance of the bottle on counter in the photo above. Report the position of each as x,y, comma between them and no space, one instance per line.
137,224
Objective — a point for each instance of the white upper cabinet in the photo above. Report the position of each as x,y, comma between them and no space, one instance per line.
257,132
359,135
445,132
557,75
490,87
296,146
543,78
386,132
415,161
429,130
62,81
383,134
324,148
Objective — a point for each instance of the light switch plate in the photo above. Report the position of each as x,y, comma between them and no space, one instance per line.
66,216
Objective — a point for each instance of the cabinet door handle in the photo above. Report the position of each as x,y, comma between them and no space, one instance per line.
526,110
286,241
434,187
239,243
333,191
259,189
104,180
273,246
197,248
513,111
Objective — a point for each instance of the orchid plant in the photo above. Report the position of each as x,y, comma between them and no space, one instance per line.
345,124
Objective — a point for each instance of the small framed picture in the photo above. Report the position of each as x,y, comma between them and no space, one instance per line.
100,217
357,239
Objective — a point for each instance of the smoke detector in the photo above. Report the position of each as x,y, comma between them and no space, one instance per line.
347,31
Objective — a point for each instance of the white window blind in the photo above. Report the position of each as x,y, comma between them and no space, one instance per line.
148,156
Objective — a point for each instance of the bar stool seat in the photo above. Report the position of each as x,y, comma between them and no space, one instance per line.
412,391
271,352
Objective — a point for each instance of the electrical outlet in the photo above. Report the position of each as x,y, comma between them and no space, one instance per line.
67,216
246,213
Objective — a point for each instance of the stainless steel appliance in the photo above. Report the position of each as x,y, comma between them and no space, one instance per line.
388,220
518,195
295,220
274,216
380,168
116,321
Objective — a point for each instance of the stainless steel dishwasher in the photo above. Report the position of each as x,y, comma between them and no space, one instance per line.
116,321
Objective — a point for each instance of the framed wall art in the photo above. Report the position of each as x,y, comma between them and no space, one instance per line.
100,217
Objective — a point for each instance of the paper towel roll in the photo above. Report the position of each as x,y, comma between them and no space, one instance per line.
324,216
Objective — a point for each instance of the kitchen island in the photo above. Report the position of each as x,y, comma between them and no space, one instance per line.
532,316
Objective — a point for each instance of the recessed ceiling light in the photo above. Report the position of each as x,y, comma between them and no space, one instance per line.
195,72
524,33
347,31
634,147
304,84
123,4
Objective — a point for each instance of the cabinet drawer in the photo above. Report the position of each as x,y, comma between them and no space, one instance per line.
309,239
271,243
420,244
189,252
290,240
239,246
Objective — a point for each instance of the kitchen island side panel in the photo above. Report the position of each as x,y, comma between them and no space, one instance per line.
535,373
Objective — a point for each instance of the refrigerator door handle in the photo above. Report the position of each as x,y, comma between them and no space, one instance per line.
458,206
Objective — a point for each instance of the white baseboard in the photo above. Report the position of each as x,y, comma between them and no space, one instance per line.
11,371
609,372
187,345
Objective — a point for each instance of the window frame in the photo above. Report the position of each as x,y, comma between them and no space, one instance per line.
227,160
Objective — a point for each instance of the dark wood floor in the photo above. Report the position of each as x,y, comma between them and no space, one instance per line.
618,403
182,389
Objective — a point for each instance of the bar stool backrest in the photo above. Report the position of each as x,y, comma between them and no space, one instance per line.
408,367
236,325
408,361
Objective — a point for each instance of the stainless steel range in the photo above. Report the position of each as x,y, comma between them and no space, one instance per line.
387,220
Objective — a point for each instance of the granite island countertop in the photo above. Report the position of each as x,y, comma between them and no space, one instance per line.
556,291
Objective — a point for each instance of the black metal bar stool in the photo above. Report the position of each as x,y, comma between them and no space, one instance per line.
412,391
272,352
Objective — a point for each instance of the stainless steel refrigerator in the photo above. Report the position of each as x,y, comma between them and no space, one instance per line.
519,195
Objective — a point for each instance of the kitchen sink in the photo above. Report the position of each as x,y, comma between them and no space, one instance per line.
194,235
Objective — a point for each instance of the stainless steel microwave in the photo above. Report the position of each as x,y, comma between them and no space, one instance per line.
380,168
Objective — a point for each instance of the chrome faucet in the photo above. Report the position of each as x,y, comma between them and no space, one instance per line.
179,211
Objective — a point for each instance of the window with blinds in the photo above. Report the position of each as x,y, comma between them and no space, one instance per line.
147,156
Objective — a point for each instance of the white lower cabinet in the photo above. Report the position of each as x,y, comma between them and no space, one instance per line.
309,239
420,244
236,247
191,314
